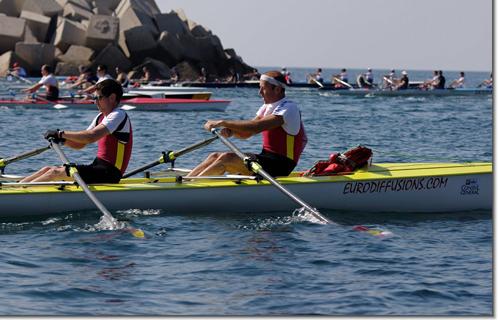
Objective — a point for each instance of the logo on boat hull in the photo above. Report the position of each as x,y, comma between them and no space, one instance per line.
397,185
471,187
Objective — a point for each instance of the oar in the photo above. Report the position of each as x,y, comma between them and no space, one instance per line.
25,155
343,82
317,82
171,155
256,168
388,80
20,78
107,216
127,107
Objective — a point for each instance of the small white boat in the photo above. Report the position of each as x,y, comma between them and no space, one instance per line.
383,187
196,95
168,88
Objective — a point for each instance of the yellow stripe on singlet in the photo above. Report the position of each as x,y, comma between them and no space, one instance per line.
120,155
290,147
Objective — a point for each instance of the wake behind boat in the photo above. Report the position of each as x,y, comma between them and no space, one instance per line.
383,187
139,104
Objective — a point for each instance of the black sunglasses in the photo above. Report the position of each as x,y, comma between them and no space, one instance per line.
98,98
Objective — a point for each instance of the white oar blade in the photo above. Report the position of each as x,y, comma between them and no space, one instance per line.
59,106
127,107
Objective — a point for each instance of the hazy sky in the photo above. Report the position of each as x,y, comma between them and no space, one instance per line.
402,34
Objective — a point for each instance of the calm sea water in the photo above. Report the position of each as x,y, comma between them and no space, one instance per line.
260,264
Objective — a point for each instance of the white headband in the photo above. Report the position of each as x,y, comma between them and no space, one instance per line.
271,80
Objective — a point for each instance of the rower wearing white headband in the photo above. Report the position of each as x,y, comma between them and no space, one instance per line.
279,122
272,81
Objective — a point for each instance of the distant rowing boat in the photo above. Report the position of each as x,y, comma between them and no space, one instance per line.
383,187
139,104
241,84
410,92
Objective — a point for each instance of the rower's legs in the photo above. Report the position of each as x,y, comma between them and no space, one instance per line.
47,174
212,157
220,163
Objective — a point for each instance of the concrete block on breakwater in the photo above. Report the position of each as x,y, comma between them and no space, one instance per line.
124,33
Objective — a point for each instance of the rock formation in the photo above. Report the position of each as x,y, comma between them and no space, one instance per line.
125,33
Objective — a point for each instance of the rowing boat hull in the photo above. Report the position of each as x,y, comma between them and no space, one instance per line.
138,104
411,92
167,94
435,187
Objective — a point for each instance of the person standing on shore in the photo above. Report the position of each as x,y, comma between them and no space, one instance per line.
278,120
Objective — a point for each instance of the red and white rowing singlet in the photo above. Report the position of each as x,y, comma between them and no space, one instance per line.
289,139
116,147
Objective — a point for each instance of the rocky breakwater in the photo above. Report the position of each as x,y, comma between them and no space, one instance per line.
128,34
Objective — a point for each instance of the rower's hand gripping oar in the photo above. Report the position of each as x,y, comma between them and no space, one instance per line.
107,216
256,168
25,155
170,156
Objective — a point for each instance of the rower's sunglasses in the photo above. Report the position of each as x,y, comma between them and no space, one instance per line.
98,98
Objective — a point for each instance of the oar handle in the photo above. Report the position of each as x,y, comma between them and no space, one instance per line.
170,156
256,168
143,168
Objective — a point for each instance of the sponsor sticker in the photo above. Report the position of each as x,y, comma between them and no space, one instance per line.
395,185
471,187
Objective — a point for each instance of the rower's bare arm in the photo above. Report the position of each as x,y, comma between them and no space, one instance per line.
33,88
244,129
79,139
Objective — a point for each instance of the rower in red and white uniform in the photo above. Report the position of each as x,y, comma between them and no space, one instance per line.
111,128
278,120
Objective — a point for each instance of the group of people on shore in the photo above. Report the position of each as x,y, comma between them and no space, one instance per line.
278,121
392,82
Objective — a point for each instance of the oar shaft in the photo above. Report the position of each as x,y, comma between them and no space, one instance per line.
256,168
194,146
74,173
21,78
23,156
265,175
168,157
143,168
